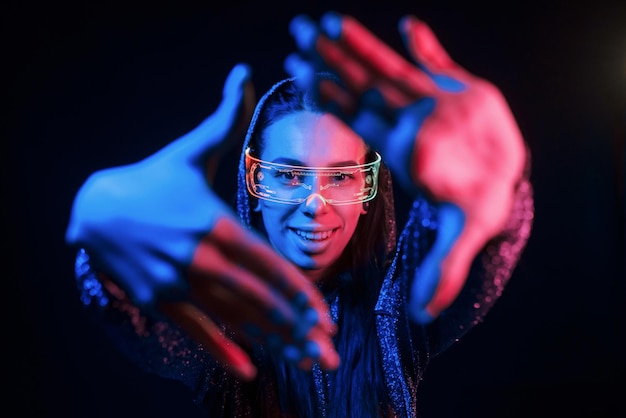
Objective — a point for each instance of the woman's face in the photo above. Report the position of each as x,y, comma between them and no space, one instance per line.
314,233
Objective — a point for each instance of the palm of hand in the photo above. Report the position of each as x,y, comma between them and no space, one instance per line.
438,127
143,222
470,152
162,234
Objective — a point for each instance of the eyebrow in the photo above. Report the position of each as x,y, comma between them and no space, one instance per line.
291,161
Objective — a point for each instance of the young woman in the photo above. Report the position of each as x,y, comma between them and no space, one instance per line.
334,317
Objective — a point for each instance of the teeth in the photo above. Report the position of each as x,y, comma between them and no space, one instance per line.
313,236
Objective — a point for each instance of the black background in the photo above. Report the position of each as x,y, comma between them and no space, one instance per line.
97,84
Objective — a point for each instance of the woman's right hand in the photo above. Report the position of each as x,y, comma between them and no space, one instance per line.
440,129
161,233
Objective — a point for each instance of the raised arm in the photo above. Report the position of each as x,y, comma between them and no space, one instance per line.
159,232
439,128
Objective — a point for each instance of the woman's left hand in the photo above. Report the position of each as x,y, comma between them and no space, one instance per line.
159,231
439,128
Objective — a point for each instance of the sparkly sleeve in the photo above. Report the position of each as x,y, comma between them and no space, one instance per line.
155,346
489,274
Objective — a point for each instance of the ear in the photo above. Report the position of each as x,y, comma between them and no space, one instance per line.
256,206
365,208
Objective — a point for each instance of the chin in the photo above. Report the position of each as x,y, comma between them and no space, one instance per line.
314,271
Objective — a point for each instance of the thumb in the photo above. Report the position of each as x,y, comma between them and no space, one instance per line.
232,115
429,280
237,96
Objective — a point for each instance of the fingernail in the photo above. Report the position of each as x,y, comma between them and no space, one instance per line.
304,32
296,23
292,353
331,23
296,67
310,316
242,71
307,321
312,350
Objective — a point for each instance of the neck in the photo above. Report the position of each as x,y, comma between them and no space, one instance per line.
317,275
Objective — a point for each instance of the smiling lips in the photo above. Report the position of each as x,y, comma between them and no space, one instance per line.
316,236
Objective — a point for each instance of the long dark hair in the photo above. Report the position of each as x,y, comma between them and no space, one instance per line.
358,387
374,237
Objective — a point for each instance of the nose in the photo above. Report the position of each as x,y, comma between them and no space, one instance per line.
314,204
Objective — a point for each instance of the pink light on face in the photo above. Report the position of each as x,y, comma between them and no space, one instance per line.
313,234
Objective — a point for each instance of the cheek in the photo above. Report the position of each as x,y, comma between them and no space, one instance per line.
273,216
351,215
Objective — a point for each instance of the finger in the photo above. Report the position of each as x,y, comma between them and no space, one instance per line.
316,348
259,320
424,46
306,64
261,260
361,76
395,140
311,42
145,288
328,50
305,33
205,332
235,110
308,36
324,89
357,75
252,324
311,344
318,342
256,256
454,271
304,73
431,287
233,303
428,53
336,99
456,266
366,47
215,276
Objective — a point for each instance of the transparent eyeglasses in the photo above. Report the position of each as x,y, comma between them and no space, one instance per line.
292,184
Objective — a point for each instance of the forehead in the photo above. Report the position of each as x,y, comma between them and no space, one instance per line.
313,140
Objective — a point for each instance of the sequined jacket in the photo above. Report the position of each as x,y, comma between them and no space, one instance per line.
161,347
406,348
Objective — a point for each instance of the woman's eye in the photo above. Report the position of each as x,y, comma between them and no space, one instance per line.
342,177
289,176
